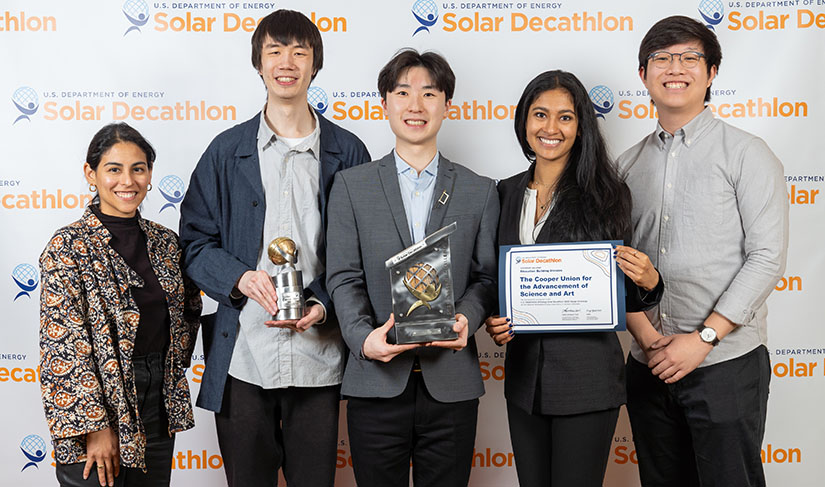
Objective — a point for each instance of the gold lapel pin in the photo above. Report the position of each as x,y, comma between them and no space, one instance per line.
444,197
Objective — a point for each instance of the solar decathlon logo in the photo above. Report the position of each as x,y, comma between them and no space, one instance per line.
712,11
426,13
25,99
172,189
318,99
602,98
34,449
137,12
26,278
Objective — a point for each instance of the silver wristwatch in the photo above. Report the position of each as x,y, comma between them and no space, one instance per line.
708,335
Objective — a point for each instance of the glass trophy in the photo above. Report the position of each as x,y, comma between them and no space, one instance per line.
422,290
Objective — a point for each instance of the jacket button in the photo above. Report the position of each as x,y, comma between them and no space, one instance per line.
255,203
225,334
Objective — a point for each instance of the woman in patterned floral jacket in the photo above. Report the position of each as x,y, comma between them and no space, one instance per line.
118,323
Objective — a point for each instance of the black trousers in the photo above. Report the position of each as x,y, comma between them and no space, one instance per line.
386,433
159,445
705,429
561,451
261,430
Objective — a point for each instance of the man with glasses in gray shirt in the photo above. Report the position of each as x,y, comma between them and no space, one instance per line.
710,208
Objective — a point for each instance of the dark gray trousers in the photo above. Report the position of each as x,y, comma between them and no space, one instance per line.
386,434
705,429
561,451
261,430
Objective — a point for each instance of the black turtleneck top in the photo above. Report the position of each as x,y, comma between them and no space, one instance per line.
129,241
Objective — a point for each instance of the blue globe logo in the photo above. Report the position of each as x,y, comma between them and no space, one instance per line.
33,448
137,12
713,11
317,98
25,99
602,98
172,189
26,278
426,13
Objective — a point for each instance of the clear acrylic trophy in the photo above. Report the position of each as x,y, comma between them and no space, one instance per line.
422,290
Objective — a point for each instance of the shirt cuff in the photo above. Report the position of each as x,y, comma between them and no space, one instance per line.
314,300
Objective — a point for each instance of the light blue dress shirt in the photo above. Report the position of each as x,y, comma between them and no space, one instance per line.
417,194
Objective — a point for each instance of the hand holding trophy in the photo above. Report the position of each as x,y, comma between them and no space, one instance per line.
289,283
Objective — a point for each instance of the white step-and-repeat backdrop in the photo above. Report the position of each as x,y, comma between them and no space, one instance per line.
180,73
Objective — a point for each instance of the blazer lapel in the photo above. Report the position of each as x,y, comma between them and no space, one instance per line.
511,206
246,157
329,161
389,181
546,230
442,194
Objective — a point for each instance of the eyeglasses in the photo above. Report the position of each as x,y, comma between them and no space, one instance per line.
663,59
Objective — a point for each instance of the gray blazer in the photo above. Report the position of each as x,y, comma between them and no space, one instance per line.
367,225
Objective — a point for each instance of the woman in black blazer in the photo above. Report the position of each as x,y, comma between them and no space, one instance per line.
564,390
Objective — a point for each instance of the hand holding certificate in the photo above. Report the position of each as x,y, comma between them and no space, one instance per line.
562,287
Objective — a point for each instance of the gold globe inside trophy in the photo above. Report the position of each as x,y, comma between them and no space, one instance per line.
289,282
422,282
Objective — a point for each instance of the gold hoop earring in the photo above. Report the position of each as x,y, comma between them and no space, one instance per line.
149,187
92,188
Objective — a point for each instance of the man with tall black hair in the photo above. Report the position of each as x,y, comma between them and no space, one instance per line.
274,385
410,402
710,208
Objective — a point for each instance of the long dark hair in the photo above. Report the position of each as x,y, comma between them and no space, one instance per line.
591,199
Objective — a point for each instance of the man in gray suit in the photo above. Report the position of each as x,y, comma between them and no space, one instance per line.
414,403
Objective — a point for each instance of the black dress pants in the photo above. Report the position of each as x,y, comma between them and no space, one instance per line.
261,430
387,433
159,445
705,429
561,451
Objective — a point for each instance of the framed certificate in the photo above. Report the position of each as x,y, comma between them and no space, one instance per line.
566,287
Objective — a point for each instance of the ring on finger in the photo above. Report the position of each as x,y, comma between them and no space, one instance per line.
101,467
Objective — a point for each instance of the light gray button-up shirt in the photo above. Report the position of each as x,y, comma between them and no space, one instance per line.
277,357
710,208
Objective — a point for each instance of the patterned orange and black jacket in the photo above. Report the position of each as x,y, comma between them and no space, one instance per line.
88,322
